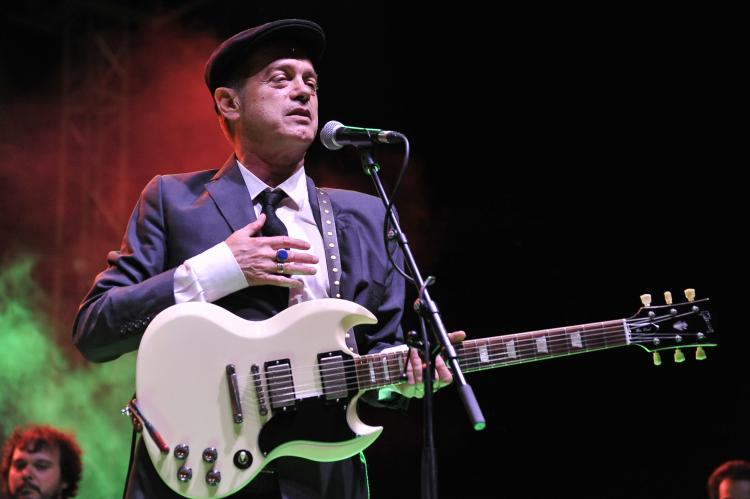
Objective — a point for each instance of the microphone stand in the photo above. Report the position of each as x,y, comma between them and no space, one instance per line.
428,311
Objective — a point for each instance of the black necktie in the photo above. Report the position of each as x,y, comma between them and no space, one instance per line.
277,296
268,202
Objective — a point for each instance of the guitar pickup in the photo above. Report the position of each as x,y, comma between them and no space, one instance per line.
333,375
280,385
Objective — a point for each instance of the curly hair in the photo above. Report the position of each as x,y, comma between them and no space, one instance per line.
737,469
37,437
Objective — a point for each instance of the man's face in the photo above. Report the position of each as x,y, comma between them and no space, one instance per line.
35,474
279,102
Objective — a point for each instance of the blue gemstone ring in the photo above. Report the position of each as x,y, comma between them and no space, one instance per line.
282,255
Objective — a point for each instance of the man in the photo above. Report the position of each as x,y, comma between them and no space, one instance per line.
731,480
254,237
40,462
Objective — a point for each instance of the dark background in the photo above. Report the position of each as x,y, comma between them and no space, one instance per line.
563,163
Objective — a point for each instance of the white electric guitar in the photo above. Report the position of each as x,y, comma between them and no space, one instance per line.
221,397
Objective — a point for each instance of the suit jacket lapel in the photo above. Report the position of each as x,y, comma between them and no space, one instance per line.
228,190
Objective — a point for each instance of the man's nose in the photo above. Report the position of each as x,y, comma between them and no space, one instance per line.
301,91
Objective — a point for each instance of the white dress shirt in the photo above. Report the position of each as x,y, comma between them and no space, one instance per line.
215,273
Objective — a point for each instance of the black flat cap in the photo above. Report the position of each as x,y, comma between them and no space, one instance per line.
234,50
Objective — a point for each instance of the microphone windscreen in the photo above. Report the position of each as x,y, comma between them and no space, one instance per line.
328,134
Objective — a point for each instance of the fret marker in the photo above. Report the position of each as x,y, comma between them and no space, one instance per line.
372,371
575,339
385,369
484,355
541,345
510,346
401,368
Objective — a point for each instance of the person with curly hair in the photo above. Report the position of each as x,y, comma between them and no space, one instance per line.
41,462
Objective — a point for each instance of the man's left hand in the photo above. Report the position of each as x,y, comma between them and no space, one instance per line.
414,386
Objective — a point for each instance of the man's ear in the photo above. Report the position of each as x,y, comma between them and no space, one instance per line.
227,102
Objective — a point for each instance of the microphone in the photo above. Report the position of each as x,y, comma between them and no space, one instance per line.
334,136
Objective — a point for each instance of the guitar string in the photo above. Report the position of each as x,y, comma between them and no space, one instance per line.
528,339
495,346
558,335
473,356
524,347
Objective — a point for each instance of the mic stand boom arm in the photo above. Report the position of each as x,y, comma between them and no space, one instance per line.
427,308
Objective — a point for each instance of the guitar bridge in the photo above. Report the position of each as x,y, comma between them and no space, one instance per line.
255,372
280,385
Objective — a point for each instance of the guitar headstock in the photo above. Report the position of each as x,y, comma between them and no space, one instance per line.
673,326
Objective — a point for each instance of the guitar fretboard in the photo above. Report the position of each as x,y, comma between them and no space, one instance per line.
378,370
487,353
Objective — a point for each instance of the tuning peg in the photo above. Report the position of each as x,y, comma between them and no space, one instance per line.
690,294
679,356
657,359
668,297
646,300
700,354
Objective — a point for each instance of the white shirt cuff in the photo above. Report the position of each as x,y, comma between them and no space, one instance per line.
208,276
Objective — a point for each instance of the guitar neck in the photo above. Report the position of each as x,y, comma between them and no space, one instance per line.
380,370
499,351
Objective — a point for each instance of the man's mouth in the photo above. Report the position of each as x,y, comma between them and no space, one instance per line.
300,111
28,491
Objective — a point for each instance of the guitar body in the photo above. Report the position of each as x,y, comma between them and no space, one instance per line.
184,392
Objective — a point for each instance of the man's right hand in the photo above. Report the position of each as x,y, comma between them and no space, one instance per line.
257,256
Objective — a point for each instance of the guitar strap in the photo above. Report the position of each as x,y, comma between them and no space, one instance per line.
333,256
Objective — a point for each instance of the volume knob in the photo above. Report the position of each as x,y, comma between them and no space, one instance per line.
213,477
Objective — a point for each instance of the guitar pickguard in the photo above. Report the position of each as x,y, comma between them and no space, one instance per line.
314,420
